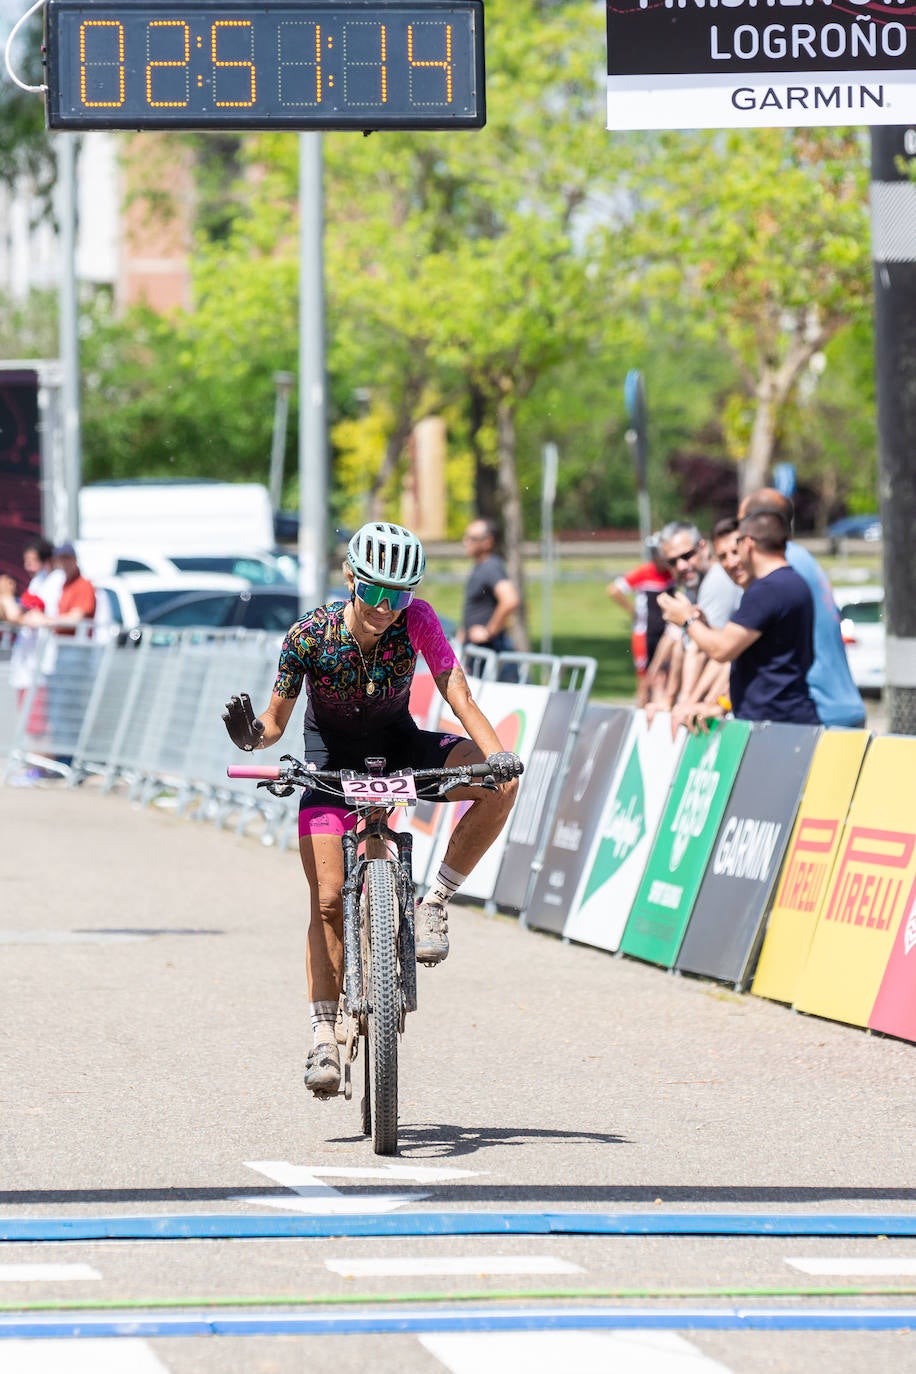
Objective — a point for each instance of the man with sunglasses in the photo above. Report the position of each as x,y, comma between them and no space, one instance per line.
706,584
356,661
769,640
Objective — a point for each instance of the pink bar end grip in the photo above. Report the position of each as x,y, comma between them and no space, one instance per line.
270,772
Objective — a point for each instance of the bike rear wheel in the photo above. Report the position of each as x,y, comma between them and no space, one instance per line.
384,1002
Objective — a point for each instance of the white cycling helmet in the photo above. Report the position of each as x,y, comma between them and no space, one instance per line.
386,554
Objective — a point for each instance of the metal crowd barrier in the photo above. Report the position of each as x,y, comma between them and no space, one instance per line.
142,713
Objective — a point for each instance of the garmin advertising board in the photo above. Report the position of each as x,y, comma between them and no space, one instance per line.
726,926
625,834
696,803
587,782
744,64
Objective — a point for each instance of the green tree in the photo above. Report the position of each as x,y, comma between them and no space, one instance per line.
763,237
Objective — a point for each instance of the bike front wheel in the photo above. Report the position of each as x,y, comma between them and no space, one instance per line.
384,1002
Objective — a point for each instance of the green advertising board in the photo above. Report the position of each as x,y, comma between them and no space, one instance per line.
683,843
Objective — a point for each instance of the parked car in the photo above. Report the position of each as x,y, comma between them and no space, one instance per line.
251,608
100,559
239,608
866,527
862,624
131,599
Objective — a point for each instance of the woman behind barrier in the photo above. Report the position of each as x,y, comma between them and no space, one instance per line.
356,661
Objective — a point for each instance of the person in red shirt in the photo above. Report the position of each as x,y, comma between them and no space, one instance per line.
66,683
637,592
77,597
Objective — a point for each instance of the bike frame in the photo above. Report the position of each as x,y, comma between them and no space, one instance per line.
391,982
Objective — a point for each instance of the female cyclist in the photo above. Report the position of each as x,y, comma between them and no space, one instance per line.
356,661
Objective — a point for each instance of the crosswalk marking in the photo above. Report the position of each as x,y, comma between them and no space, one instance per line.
885,1267
544,1352
46,1273
469,1264
89,1356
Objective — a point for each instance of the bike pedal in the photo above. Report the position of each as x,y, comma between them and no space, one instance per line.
347,1082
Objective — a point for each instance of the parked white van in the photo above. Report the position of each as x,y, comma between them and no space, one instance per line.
168,516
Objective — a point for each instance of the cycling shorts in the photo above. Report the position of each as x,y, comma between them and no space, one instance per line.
400,747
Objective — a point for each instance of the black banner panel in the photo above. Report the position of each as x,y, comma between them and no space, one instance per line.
726,926
591,772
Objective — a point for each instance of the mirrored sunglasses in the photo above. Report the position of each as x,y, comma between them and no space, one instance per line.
398,598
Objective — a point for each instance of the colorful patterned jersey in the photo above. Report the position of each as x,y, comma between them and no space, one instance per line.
320,652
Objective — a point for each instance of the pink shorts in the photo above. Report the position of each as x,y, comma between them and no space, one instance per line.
325,820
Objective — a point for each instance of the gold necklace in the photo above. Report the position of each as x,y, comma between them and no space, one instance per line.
370,685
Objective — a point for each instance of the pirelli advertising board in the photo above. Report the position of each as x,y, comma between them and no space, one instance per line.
857,952
743,64
809,862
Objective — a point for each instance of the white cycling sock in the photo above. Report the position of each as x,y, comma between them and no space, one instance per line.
446,885
324,1019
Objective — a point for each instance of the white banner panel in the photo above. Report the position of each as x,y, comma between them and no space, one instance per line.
515,710
625,836
721,102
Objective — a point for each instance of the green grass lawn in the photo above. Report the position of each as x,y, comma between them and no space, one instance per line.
585,622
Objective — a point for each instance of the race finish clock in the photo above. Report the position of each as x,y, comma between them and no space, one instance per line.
220,64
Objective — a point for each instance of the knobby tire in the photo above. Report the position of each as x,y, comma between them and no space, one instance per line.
384,1000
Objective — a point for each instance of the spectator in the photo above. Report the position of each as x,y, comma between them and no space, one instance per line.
711,697
637,592
769,638
706,584
77,602
490,597
29,663
835,695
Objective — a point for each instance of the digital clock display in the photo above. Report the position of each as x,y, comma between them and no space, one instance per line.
315,65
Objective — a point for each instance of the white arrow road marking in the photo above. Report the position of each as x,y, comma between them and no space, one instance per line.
544,1352
464,1264
48,1273
317,1198
884,1268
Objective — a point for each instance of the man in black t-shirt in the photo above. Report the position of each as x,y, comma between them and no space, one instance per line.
490,596
769,640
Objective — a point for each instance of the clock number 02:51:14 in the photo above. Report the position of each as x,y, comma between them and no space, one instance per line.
103,59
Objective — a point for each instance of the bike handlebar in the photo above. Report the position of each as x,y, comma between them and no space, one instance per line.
274,772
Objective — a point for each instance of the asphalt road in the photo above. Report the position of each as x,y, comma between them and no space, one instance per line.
153,1031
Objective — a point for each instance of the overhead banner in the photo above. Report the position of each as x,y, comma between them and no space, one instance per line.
726,925
529,818
587,782
697,801
869,892
740,64
809,862
625,834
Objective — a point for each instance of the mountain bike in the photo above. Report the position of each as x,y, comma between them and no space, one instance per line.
380,967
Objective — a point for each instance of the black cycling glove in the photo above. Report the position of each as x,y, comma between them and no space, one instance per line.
505,766
244,730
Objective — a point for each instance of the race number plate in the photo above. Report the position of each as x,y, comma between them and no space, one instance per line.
395,791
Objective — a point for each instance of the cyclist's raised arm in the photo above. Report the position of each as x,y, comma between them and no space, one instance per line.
248,731
453,685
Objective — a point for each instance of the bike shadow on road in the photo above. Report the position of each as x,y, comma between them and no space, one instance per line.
435,1140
